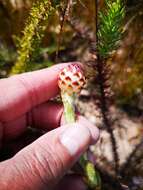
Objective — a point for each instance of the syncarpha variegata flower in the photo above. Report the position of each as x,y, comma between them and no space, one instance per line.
71,79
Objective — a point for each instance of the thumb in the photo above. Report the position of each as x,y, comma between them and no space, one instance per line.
41,164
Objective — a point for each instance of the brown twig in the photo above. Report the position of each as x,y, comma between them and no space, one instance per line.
64,16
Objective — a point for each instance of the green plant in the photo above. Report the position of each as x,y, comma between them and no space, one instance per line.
32,35
108,34
110,30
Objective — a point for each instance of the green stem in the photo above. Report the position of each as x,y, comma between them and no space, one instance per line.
92,176
69,111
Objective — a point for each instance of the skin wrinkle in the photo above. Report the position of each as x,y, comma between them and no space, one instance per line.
31,91
28,171
42,85
50,120
8,168
31,121
59,158
51,163
40,172
34,116
33,175
4,181
53,152
19,174
40,183
47,171
10,109
58,162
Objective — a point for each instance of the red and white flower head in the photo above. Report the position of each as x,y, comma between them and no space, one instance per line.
71,79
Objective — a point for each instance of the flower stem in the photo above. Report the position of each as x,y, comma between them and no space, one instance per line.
69,110
92,176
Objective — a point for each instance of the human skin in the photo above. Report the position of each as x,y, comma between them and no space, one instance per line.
25,101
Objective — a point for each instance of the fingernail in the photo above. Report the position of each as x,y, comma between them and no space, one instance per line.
75,139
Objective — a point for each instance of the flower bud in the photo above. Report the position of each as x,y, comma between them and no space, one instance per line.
71,79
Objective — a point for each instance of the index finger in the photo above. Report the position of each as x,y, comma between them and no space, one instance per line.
18,94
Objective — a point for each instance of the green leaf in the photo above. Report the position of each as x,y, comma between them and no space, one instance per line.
110,31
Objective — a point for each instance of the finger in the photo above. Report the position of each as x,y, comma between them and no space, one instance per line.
43,163
84,121
22,92
46,116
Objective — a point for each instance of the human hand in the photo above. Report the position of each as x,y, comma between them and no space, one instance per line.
25,101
